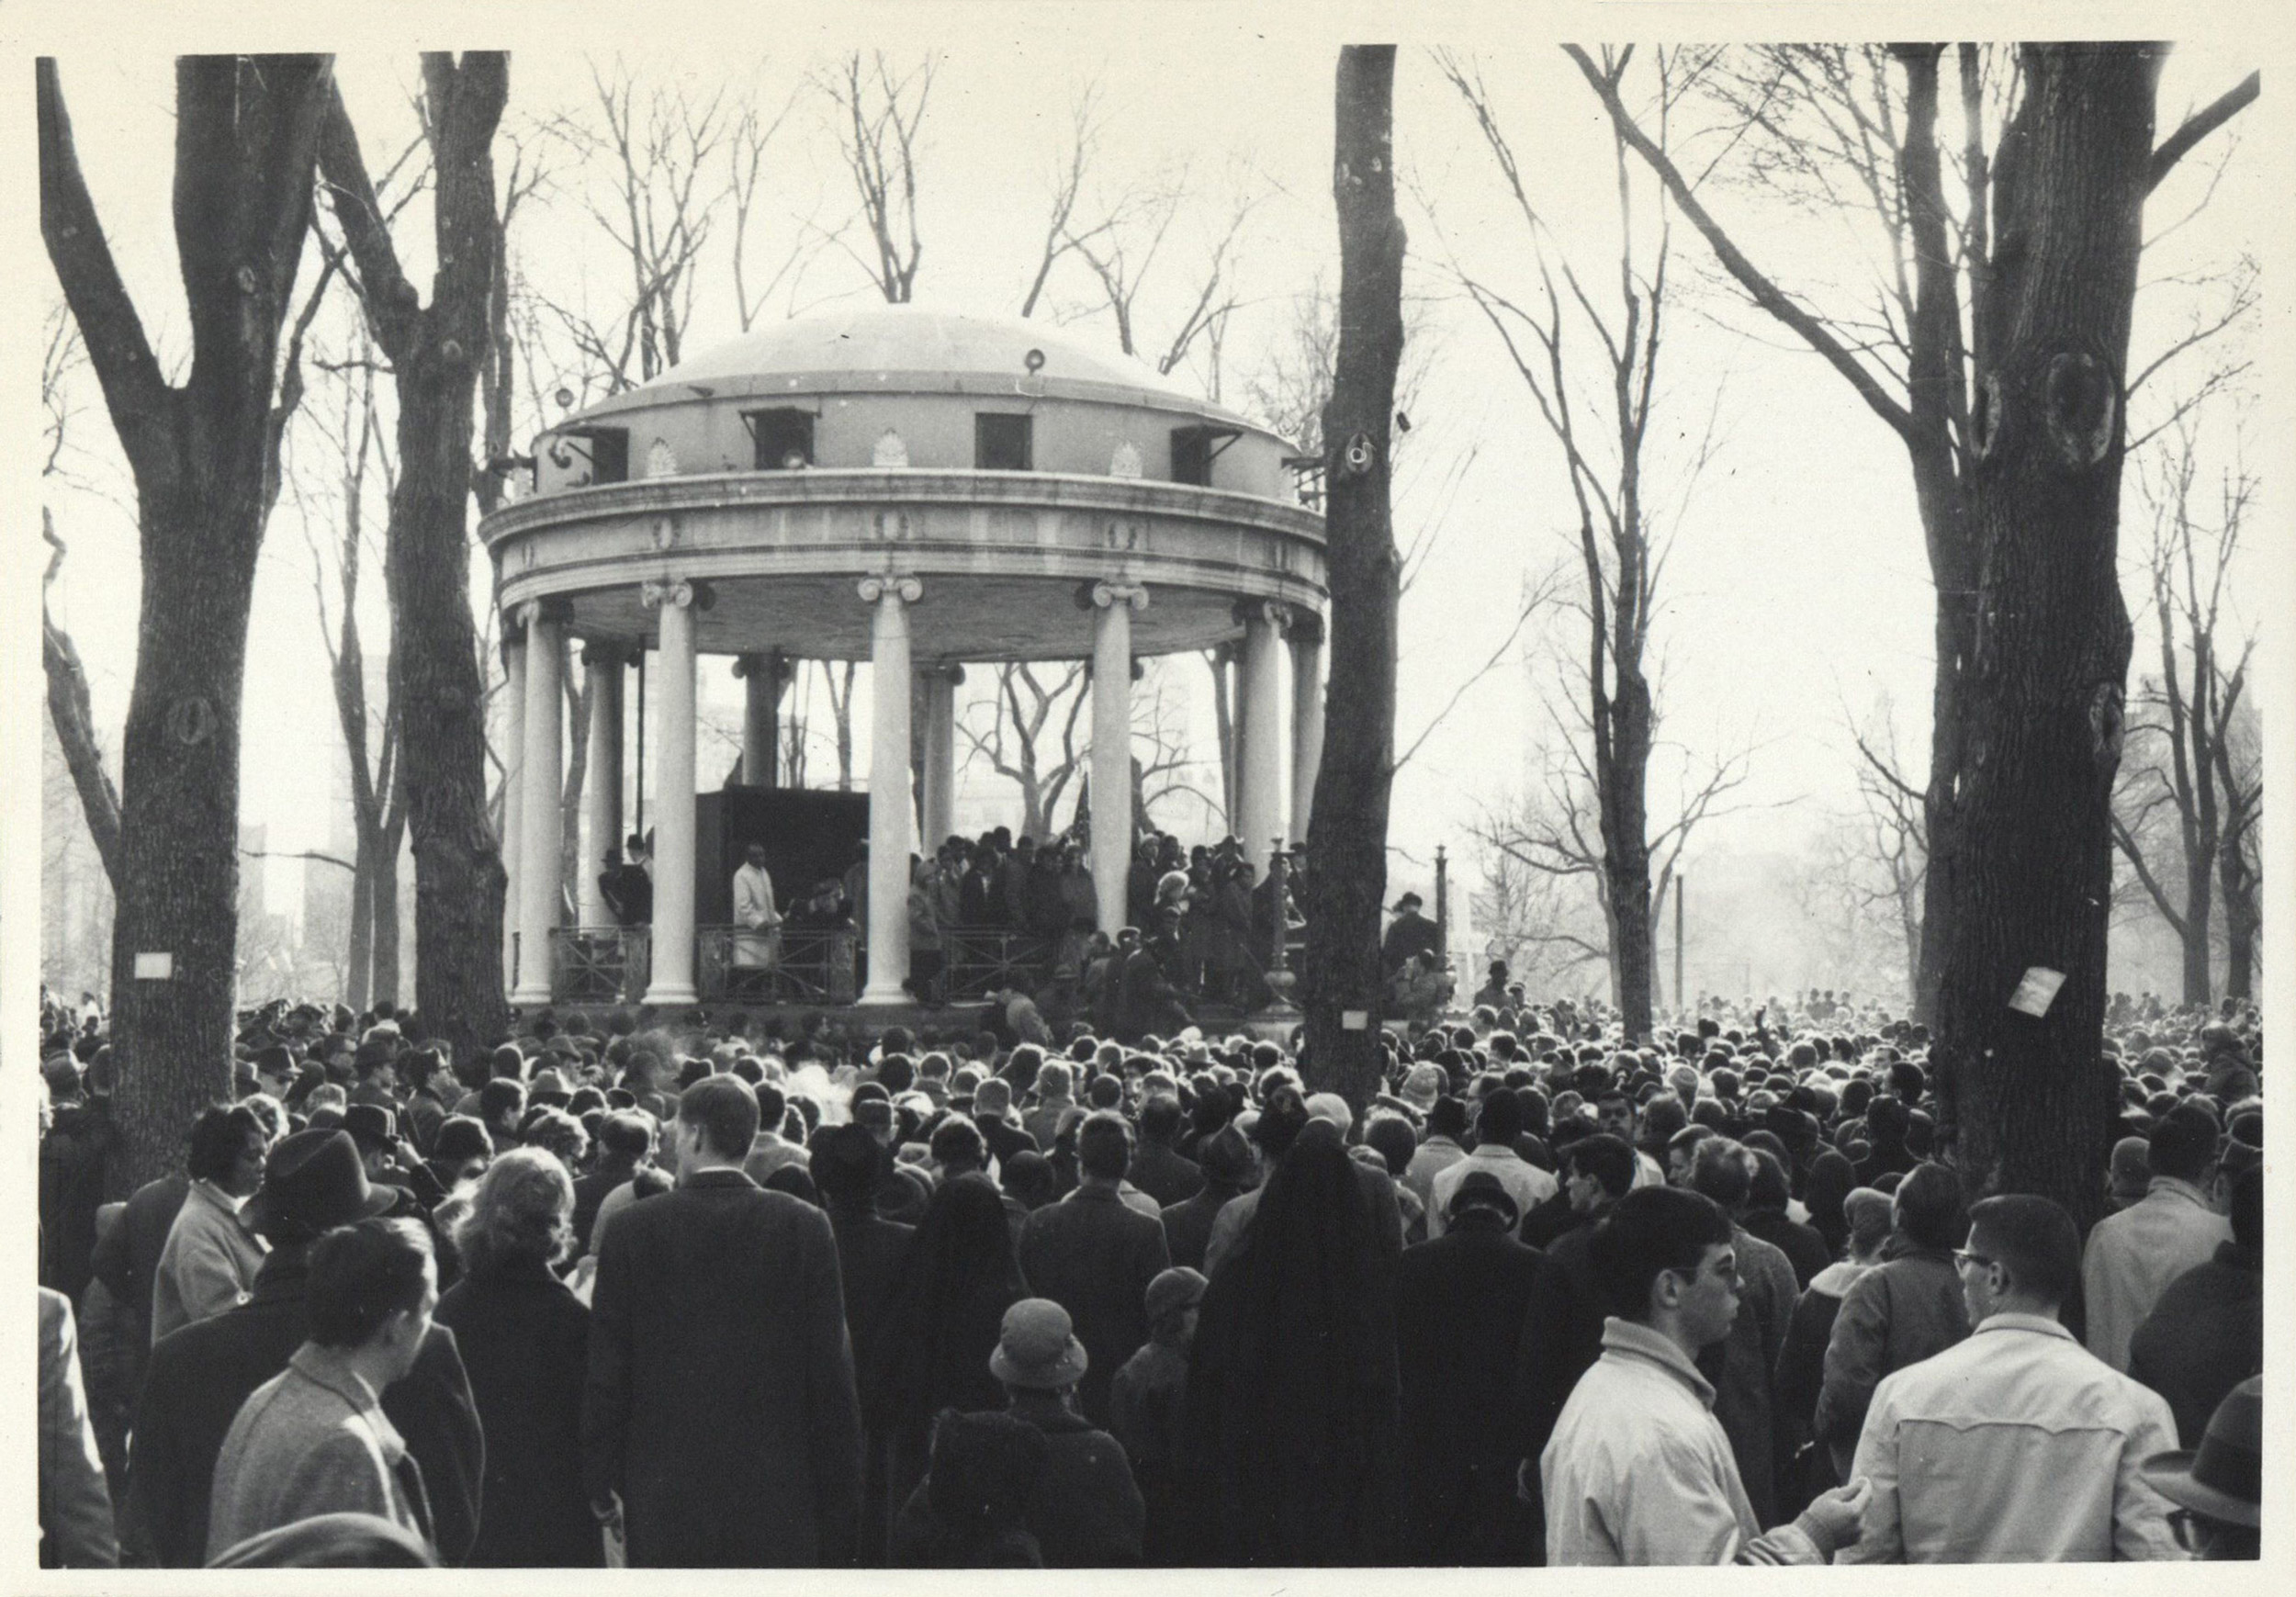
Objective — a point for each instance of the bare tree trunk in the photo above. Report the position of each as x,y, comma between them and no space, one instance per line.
205,461
1347,877
1223,721
75,722
2241,920
359,955
2027,1096
385,940
841,710
436,354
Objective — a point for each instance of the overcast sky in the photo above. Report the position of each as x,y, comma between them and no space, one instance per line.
1797,584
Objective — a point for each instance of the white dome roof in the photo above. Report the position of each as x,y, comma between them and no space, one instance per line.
894,348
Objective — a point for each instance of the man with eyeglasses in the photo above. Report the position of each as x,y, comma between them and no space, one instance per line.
2019,1444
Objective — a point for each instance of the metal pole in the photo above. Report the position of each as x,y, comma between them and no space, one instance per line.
1280,980
1443,908
1682,997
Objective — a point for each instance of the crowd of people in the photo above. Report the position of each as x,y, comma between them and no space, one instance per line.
695,1292
1208,914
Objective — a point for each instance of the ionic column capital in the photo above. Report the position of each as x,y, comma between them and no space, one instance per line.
908,589
1107,595
604,653
1273,612
679,594
1306,625
948,672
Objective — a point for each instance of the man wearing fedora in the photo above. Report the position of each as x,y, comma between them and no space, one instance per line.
199,1376
2218,1487
1409,933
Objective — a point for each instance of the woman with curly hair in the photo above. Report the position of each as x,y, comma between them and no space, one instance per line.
525,1339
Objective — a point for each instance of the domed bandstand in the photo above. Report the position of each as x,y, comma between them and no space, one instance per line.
919,490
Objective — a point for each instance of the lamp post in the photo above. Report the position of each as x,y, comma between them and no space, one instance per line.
1279,977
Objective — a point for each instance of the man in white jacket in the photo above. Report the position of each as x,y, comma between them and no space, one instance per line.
1638,1472
759,939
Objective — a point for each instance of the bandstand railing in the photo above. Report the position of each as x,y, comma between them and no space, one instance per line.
977,960
599,964
787,966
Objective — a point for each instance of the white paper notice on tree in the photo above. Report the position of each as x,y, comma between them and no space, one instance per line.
2037,991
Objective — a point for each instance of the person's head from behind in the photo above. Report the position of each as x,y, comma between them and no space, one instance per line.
1160,1119
1499,1121
521,1216
993,1098
1926,1208
2023,1258
1661,1118
957,1148
1390,1136
1598,1171
847,1164
1868,1213
371,1291
2183,1145
501,1101
1104,1146
1665,1259
1887,1120
626,1136
1172,1301
717,1121
1723,1170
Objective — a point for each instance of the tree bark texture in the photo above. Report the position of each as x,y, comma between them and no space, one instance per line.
1347,877
2029,1096
436,354
203,458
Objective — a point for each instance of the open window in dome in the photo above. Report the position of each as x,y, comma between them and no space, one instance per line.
783,438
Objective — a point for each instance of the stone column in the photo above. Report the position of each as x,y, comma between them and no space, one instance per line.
763,676
672,980
889,806
1113,604
1307,716
940,753
513,800
601,781
539,889
1262,730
